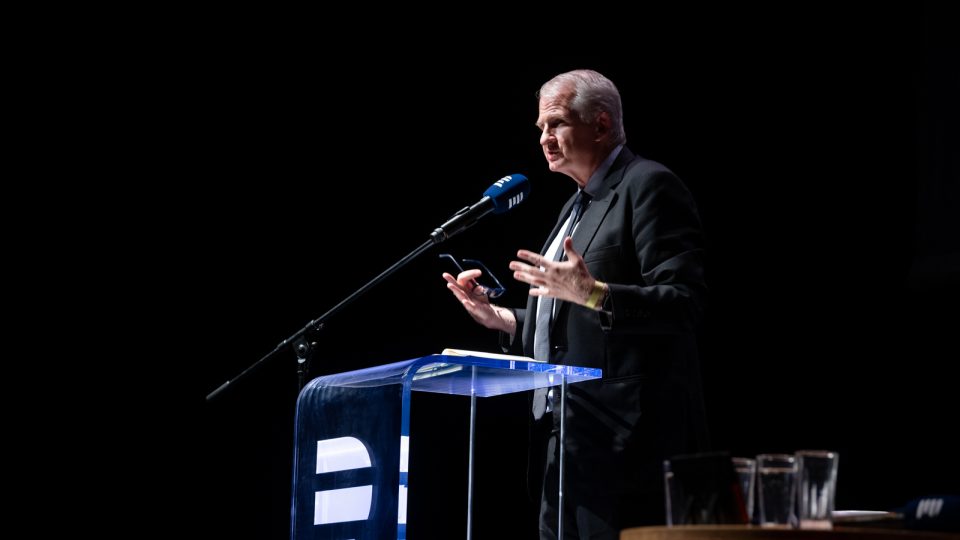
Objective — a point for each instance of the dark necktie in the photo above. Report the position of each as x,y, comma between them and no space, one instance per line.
541,345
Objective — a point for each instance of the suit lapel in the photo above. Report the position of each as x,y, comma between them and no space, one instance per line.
602,199
590,222
596,210
583,235
594,215
589,225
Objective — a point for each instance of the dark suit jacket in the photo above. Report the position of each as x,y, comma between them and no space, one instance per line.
641,235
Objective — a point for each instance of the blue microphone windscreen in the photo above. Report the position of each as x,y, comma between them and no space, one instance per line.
935,513
508,192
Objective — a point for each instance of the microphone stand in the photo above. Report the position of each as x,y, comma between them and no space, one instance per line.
303,347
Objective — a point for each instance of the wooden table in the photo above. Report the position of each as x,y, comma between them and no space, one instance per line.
746,532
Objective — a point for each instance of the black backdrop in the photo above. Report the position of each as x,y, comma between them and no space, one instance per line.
820,147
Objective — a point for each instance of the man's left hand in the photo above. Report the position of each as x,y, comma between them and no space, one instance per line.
567,280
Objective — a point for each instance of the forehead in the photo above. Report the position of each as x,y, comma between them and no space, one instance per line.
554,106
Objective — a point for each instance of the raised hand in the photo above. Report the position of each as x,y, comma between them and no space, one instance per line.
567,280
473,298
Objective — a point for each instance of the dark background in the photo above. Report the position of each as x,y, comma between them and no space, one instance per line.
820,146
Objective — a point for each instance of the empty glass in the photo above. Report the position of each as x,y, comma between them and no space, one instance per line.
746,472
776,486
817,477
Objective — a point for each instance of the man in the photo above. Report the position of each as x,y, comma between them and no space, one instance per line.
619,285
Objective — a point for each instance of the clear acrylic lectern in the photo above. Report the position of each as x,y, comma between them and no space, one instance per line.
353,436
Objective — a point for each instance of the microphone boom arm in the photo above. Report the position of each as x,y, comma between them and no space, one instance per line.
503,195
317,324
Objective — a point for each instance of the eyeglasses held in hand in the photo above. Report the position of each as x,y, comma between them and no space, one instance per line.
487,283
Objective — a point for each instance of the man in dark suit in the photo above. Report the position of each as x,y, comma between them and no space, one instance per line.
619,285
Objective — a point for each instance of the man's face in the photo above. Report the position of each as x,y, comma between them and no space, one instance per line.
568,143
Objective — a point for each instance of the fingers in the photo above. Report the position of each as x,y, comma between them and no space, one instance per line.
533,258
467,291
531,275
465,280
518,266
458,292
542,262
547,277
478,310
468,275
534,277
539,263
470,295
571,253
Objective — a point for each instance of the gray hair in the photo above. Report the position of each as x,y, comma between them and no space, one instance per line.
592,94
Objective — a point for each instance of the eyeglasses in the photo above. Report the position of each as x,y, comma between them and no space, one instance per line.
490,284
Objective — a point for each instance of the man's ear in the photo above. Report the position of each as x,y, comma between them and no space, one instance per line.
602,125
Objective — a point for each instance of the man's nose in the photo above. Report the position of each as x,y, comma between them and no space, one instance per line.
544,136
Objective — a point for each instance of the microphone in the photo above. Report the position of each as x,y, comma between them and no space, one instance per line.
503,195
938,513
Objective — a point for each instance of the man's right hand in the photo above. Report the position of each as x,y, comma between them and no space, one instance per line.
477,304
